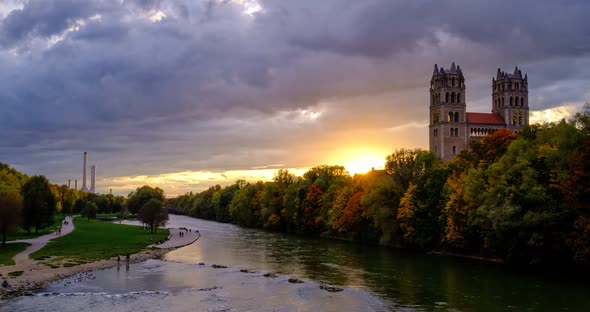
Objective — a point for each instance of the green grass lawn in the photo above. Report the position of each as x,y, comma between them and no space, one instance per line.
94,240
9,251
22,234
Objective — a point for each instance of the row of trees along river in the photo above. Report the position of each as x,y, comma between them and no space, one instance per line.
522,199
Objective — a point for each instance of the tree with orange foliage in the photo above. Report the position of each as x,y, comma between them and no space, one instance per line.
490,148
313,203
352,215
405,213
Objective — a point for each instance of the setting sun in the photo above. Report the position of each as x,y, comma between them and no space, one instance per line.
361,160
363,165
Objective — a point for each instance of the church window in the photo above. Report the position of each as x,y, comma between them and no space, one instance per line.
454,150
453,97
459,97
516,101
452,131
447,98
453,82
502,102
456,116
450,117
511,101
522,102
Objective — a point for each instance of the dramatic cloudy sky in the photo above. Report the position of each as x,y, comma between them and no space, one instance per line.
188,93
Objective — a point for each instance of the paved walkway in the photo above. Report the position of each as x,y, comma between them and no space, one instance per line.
175,241
39,242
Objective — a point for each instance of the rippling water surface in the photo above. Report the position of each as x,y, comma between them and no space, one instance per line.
373,279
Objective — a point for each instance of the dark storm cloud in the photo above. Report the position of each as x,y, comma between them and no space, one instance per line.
208,86
43,18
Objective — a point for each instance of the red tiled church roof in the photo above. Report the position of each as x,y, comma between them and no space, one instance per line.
485,118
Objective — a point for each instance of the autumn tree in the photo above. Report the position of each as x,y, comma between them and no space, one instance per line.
311,212
490,148
352,218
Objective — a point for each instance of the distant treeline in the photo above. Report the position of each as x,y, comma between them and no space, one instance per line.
523,198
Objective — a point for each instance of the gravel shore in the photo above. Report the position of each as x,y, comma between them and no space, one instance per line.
34,274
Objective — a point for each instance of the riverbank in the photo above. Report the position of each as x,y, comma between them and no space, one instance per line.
35,275
29,275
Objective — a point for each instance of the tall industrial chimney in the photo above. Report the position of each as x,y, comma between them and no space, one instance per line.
76,185
84,189
69,183
92,178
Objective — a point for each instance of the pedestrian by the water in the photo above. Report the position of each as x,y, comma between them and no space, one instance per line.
59,230
5,284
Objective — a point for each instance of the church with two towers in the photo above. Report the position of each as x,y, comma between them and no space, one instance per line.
452,128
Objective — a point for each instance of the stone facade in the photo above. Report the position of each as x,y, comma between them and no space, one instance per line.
452,127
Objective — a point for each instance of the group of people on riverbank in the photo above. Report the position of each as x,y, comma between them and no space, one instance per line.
127,261
65,222
184,231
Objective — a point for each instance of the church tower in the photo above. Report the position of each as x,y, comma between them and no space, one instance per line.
447,112
510,98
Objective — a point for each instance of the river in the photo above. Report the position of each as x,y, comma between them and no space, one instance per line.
373,279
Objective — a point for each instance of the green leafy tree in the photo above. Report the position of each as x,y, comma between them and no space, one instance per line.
381,201
89,211
38,203
153,214
141,196
245,205
10,205
11,179
293,205
69,200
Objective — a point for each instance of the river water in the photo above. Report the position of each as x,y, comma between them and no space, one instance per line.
373,279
